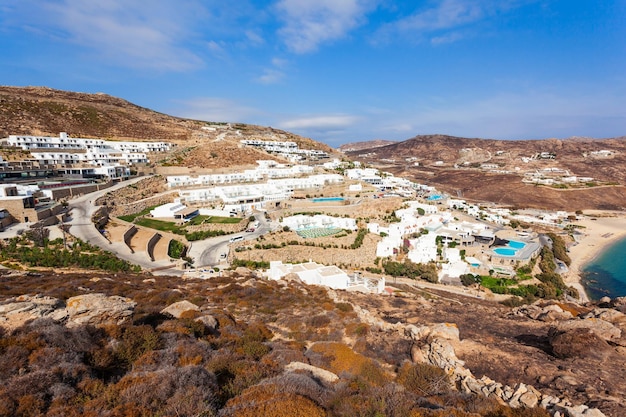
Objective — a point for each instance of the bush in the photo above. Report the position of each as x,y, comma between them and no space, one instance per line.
423,379
176,249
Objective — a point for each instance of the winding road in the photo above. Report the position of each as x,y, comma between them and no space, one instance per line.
82,209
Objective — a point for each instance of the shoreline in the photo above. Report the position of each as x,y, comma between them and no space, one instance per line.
595,236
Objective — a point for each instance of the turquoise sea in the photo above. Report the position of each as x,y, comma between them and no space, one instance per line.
606,274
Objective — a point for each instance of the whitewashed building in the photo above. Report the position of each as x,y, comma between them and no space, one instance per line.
311,273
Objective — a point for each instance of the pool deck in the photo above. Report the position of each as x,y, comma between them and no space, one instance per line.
523,254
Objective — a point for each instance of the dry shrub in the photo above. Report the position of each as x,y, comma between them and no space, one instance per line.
318,321
357,329
135,341
265,400
356,397
423,379
190,388
338,358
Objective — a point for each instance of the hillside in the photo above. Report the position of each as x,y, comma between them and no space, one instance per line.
492,170
238,345
45,111
357,146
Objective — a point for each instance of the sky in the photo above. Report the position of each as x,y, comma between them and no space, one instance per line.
337,71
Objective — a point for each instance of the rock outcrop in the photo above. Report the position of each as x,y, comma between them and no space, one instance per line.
93,309
98,309
434,345
179,308
16,311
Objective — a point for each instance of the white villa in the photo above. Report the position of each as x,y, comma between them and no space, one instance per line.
312,273
176,211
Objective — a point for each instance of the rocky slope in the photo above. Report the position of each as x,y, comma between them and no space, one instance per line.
241,346
453,164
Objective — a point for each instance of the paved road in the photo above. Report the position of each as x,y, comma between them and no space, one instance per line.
83,207
209,252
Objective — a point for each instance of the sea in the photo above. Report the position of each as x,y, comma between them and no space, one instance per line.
605,275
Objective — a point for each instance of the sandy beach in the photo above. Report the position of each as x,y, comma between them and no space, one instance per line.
599,229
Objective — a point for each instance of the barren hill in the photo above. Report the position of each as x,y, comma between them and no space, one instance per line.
45,111
357,146
492,170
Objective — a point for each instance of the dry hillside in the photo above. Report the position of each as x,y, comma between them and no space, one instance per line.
453,165
45,111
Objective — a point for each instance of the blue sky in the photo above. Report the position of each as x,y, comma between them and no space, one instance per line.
337,70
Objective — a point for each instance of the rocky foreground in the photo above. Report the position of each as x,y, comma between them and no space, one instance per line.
253,347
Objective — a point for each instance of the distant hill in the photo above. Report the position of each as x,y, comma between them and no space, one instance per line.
357,146
45,111
492,170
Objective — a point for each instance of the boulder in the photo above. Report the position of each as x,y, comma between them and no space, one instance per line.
577,343
440,352
416,333
601,328
245,272
529,399
607,314
320,373
177,309
209,322
551,315
98,309
579,411
447,331
14,312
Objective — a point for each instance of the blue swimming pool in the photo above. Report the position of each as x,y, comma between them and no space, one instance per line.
510,249
326,199
505,251
434,197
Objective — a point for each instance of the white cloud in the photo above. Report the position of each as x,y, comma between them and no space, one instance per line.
271,76
447,38
254,38
309,23
448,15
214,109
320,123
126,33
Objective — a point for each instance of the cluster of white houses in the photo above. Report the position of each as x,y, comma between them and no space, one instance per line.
288,150
84,157
266,169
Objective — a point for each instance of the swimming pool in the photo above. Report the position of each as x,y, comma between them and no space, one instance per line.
510,249
434,197
505,251
326,199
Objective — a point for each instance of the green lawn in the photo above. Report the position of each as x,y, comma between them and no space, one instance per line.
492,282
213,219
161,225
131,217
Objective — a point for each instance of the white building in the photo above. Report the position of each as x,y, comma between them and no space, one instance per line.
423,249
311,273
63,141
176,211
